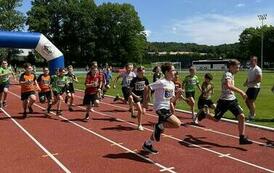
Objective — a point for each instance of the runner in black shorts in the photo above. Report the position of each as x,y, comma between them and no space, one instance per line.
164,94
228,101
70,87
253,82
138,85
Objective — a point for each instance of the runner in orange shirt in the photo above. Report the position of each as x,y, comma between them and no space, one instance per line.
28,87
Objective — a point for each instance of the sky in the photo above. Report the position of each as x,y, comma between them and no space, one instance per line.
210,22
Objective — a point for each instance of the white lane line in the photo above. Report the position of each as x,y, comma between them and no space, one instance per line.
224,155
37,143
191,144
198,127
107,139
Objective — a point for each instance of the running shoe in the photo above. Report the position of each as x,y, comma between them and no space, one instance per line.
149,148
244,140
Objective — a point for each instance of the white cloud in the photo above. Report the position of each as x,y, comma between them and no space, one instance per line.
240,5
147,33
213,29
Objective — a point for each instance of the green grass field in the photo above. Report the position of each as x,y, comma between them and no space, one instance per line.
264,102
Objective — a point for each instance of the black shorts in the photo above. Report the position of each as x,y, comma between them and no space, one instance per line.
190,94
225,105
163,114
90,99
202,102
43,95
3,86
26,95
252,93
70,88
126,93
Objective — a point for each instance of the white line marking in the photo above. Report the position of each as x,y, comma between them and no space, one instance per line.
106,139
45,155
224,155
203,128
115,144
167,169
37,143
191,144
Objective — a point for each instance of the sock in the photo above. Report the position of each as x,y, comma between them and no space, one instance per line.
161,126
242,136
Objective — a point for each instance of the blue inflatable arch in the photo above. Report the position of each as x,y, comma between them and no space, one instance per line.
34,40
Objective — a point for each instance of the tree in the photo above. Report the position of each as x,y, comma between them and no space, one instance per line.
250,42
10,20
68,24
120,35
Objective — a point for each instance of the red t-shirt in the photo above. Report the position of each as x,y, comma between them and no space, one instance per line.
95,81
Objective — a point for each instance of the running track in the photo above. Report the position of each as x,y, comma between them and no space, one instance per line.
109,142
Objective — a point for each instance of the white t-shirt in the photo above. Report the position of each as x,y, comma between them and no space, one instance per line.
127,78
227,94
164,90
253,72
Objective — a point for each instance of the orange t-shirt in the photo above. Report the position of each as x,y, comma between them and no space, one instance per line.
44,82
177,84
28,87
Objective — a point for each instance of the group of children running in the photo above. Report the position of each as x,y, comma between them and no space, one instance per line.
137,91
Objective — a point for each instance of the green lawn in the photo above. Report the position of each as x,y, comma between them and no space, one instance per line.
264,102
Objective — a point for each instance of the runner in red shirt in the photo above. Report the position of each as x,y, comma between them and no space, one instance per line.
92,84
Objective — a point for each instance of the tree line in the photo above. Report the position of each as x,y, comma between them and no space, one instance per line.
113,33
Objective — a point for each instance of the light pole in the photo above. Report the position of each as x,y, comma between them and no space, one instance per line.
262,17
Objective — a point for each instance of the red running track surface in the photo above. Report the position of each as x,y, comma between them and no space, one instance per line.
109,142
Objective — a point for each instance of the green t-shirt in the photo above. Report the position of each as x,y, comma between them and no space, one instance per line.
5,74
59,83
190,82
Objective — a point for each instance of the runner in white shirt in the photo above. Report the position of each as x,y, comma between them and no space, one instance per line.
253,82
228,101
164,94
127,77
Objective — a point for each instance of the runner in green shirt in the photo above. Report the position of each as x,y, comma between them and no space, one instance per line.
5,73
59,83
189,84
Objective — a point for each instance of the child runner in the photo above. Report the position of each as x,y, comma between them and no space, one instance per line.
138,85
59,84
44,83
156,73
108,77
189,84
205,101
70,87
228,101
28,87
164,97
126,79
5,73
92,83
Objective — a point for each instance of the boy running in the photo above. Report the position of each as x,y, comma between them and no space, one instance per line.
59,84
138,85
28,87
70,87
228,101
44,83
189,84
126,79
5,73
205,101
164,93
92,84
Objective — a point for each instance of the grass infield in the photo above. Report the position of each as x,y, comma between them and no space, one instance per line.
264,102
